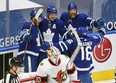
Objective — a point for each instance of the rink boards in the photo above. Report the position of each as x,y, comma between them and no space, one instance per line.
104,58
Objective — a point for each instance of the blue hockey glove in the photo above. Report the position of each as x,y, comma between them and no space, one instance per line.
45,46
70,35
27,38
100,22
103,29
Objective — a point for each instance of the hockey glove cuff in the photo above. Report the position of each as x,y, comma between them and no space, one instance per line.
100,22
27,38
45,46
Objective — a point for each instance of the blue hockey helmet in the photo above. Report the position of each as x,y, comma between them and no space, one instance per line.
72,6
82,31
51,9
33,13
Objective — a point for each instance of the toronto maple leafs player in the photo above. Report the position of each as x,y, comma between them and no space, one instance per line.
83,60
54,68
77,19
51,27
29,42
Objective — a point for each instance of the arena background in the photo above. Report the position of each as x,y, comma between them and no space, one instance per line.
13,14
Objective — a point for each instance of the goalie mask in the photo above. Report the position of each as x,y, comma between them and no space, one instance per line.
53,54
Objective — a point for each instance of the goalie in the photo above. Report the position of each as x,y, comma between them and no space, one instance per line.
52,69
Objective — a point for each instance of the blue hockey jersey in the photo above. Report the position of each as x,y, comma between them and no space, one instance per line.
33,45
83,60
81,20
52,29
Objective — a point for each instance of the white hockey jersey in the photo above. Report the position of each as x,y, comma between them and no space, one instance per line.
51,73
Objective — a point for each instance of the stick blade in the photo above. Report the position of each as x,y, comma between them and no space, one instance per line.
39,12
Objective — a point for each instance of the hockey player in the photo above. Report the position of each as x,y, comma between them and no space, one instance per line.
16,66
29,43
78,20
83,60
51,27
53,69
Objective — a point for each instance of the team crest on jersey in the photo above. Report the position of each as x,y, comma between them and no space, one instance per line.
54,26
61,76
48,35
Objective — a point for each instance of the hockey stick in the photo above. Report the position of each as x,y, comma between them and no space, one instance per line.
36,17
39,12
76,51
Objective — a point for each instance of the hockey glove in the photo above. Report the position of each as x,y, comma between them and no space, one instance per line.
27,38
103,29
45,46
100,22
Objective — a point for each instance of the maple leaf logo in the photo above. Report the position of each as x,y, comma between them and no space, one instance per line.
48,35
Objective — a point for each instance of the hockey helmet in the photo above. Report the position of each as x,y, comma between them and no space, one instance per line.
53,51
15,61
72,6
51,9
33,13
82,31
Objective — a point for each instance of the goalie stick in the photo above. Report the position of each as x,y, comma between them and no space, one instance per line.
39,12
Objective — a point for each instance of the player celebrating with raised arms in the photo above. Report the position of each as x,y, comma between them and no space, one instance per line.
79,19
54,69
30,41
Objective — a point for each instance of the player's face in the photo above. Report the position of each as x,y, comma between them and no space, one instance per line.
54,59
72,13
52,16
19,70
